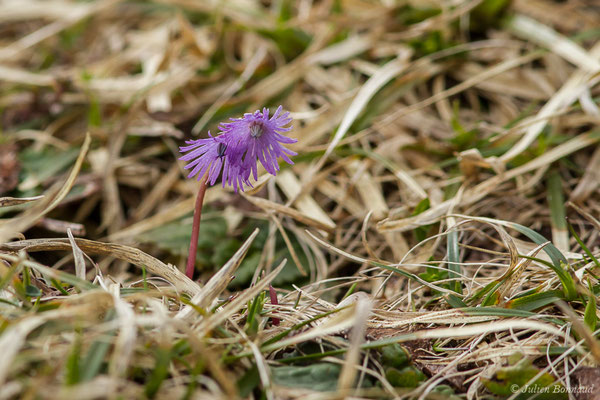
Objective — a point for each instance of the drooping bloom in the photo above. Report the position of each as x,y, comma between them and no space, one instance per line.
240,144
204,155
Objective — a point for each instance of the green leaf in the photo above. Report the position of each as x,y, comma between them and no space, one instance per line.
488,14
453,265
94,112
32,291
213,243
556,201
321,377
420,232
92,363
406,377
464,139
535,301
248,382
558,259
496,312
455,301
410,14
507,381
492,296
589,317
160,371
38,166
254,309
583,246
394,356
291,41
72,366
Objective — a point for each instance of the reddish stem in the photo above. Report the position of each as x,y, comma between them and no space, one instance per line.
191,261
274,301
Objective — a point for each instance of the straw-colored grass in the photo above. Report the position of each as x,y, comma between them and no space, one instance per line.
436,238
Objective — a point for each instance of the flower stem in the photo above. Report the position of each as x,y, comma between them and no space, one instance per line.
191,261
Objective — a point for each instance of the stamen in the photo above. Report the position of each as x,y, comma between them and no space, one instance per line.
256,130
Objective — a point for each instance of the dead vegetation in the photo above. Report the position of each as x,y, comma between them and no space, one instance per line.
437,236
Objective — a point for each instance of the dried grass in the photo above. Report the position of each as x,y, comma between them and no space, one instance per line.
445,197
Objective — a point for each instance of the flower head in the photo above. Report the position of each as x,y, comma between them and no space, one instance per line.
237,148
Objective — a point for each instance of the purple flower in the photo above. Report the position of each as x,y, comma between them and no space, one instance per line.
237,148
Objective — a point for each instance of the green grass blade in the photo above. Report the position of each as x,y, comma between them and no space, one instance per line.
583,246
92,363
535,301
496,312
160,372
455,302
454,270
559,261
72,366
556,201
589,317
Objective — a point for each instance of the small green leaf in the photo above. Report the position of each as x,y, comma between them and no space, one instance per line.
535,301
420,232
454,270
406,377
72,366
322,377
508,380
160,371
455,301
583,246
32,291
496,312
92,363
94,112
248,382
394,356
589,317
556,201
38,166
559,262
291,41
254,309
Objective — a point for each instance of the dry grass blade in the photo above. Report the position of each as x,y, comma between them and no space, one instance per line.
290,212
292,188
125,342
22,222
125,253
233,307
446,317
583,330
590,180
472,81
346,380
547,37
15,336
340,321
219,281
485,328
13,201
77,256
568,93
438,144
69,17
478,192
15,75
376,82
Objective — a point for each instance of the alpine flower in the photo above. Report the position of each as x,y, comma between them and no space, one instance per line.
237,148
